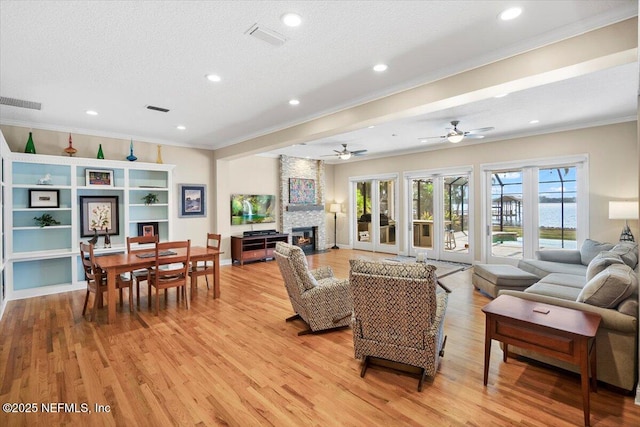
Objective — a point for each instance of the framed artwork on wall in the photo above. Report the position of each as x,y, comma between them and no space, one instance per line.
99,213
98,177
192,200
302,191
44,198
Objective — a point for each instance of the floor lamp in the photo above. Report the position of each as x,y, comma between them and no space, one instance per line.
626,211
335,208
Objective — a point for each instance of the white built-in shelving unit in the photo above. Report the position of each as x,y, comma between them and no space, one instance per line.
44,260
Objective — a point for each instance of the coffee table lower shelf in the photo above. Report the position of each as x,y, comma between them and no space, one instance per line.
562,333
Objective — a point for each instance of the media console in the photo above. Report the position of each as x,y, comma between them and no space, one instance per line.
256,247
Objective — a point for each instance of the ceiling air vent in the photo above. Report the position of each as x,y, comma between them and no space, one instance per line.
163,110
20,103
266,35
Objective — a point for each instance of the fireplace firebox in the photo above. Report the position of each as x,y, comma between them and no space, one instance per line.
305,238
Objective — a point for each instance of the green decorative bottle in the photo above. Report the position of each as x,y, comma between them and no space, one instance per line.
100,153
30,147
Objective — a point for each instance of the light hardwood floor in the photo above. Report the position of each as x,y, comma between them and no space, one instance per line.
234,361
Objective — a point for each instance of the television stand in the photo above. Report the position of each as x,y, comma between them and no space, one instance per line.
256,247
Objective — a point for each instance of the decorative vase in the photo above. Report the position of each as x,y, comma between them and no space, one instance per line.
30,147
100,153
94,239
159,159
131,157
107,239
70,150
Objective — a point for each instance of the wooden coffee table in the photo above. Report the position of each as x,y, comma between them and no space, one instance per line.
559,332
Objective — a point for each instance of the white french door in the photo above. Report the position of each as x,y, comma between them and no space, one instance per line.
440,214
534,205
374,202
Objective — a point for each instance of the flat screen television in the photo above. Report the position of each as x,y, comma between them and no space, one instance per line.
252,208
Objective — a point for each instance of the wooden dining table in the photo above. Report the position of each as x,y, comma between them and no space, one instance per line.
115,264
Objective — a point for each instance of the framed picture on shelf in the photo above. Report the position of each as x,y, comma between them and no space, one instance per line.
99,177
99,213
44,198
147,229
192,200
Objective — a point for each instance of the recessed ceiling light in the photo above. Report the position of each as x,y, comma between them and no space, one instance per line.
291,19
181,127
511,13
92,113
502,95
213,77
294,102
380,67
371,127
533,122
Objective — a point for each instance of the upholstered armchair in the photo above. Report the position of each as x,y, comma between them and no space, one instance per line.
398,314
317,297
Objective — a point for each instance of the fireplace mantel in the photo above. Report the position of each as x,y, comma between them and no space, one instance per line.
296,208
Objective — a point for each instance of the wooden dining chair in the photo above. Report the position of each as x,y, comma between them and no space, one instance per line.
169,270
204,268
140,275
97,281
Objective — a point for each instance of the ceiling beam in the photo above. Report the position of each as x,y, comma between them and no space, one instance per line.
592,51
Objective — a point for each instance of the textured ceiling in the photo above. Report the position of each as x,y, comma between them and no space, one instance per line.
118,57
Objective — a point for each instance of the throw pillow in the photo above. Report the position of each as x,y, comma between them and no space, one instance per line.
628,251
609,287
591,248
602,261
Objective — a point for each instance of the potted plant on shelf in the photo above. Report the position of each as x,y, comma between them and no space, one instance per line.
150,199
45,220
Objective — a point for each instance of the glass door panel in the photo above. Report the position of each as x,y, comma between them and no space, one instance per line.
362,211
557,210
507,214
422,203
456,214
386,195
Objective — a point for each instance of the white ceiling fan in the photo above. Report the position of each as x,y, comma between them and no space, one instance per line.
346,154
456,135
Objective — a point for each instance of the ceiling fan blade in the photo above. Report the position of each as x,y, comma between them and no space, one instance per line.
433,137
480,130
473,136
358,152
339,152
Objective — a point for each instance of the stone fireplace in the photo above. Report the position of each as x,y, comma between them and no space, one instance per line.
303,216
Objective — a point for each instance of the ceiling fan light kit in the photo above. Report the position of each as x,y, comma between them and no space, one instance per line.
346,154
455,135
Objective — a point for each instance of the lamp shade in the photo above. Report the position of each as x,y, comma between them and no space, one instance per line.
334,208
623,210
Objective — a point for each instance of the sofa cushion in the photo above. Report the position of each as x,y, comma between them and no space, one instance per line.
628,251
591,248
554,290
569,280
602,261
543,268
609,287
506,275
629,307
567,256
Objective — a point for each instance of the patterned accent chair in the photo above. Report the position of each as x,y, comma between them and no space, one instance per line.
317,297
398,314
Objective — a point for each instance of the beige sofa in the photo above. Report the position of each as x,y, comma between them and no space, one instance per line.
563,282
